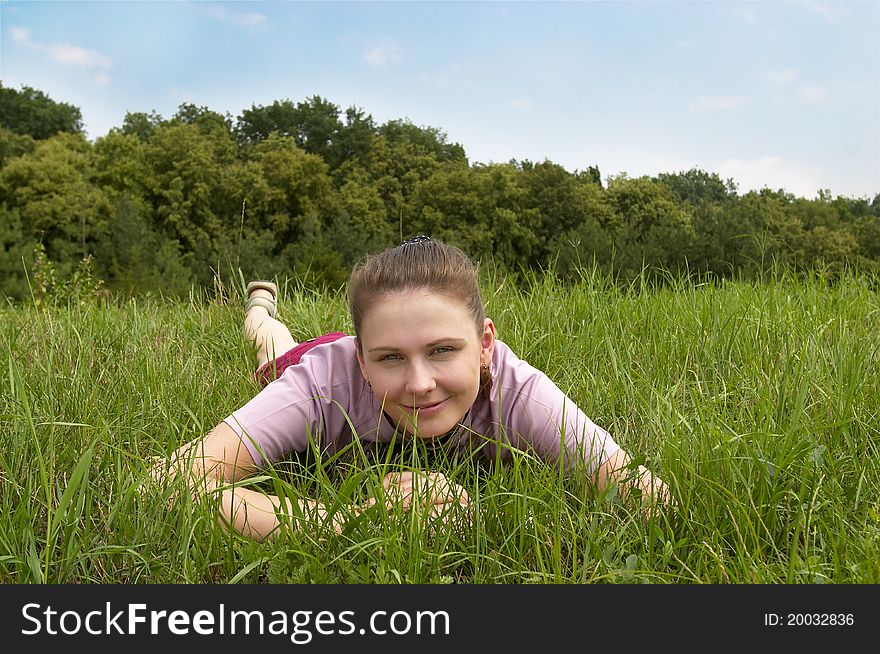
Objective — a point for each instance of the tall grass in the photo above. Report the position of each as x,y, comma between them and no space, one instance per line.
759,403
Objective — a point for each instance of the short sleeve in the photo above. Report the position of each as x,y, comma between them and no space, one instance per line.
536,415
308,404
279,419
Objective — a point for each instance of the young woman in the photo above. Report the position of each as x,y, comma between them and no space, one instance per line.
425,362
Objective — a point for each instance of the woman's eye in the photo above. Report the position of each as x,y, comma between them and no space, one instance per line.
390,357
442,350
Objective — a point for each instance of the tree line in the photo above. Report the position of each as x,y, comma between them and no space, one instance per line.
306,188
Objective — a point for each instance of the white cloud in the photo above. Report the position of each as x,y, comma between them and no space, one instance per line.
523,104
774,172
382,54
452,78
66,54
804,94
249,21
827,10
812,94
20,35
73,55
745,14
780,77
717,103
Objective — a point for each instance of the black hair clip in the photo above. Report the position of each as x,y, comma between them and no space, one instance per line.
421,238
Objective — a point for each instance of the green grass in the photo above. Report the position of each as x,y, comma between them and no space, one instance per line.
759,403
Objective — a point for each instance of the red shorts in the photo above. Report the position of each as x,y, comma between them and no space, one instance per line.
272,370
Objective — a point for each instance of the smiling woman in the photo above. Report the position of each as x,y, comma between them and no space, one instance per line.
424,363
422,356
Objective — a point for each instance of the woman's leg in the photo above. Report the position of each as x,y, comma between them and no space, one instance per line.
270,336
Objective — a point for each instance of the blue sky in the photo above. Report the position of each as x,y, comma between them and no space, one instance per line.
777,94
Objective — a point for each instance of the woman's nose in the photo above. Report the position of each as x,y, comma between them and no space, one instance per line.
419,379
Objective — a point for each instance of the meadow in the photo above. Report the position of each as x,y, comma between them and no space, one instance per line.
757,401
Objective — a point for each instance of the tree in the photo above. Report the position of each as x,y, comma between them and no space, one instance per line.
592,175
121,166
355,138
394,170
314,125
32,112
575,219
654,229
206,120
318,128
140,124
361,223
134,257
297,184
763,231
478,208
14,145
704,195
16,250
186,165
422,140
58,203
290,210
258,122
867,232
697,187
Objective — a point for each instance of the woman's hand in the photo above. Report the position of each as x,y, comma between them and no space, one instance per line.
430,491
180,469
205,464
652,491
655,493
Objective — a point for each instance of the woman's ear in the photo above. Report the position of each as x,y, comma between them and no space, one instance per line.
487,342
360,357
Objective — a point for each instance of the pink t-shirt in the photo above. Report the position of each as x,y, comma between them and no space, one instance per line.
325,397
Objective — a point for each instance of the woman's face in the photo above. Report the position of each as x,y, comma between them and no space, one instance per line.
422,355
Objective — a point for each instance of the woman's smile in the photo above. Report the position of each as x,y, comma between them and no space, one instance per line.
426,408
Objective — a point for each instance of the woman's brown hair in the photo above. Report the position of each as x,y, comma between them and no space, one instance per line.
420,263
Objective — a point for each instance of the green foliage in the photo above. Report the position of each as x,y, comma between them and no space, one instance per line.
186,164
45,282
479,209
698,187
314,125
14,145
16,251
653,230
575,220
360,223
140,124
135,258
304,188
82,288
422,140
35,114
58,204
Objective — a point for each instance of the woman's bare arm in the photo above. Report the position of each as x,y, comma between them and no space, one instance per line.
209,465
218,458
